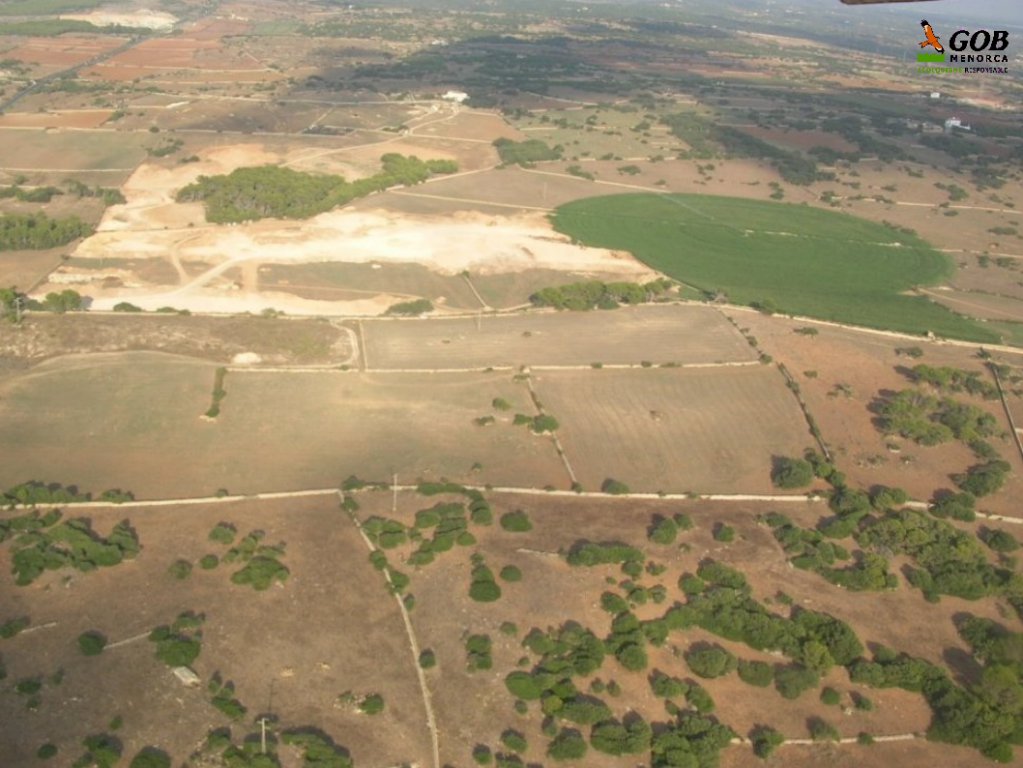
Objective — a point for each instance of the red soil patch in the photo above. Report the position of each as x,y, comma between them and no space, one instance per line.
62,51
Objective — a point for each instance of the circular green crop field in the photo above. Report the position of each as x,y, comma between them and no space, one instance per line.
798,259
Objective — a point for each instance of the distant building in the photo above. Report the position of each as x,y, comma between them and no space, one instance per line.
935,94
458,96
953,123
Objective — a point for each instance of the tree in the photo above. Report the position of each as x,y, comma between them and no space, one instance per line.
567,745
791,473
710,661
151,757
91,643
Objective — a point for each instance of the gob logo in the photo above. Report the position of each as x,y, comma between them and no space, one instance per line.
986,46
981,40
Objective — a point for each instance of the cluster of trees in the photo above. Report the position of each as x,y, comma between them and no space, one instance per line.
35,195
35,492
588,553
52,544
37,231
178,644
525,153
664,530
949,379
931,420
261,565
951,562
483,588
593,294
986,717
247,194
791,473
478,650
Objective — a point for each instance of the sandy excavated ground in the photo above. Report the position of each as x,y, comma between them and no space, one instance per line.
152,225
136,18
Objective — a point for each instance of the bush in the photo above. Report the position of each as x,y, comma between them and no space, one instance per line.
515,741
427,659
614,487
723,533
511,573
91,643
482,755
180,569
46,751
791,473
710,661
830,696
373,704
223,533
758,673
999,541
523,685
663,530
14,626
151,757
209,562
793,680
260,572
765,740
567,745
516,522
821,730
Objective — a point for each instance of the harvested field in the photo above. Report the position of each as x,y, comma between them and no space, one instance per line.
265,341
62,153
276,431
79,118
705,431
257,640
23,269
658,334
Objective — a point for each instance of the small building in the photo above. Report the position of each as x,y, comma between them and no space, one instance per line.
456,96
935,94
954,122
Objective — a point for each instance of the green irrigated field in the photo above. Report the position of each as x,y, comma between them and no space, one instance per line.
802,260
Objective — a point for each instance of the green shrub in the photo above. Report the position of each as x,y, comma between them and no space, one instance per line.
151,757
523,685
260,572
567,745
663,530
14,626
758,673
516,522
830,696
46,751
821,730
793,680
373,704
209,562
180,569
427,659
791,473
765,740
223,533
482,755
91,643
511,573
515,741
614,487
710,661
723,533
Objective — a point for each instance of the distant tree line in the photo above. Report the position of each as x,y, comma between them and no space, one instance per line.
248,194
594,294
37,231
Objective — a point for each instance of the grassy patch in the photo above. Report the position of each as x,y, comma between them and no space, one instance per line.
798,259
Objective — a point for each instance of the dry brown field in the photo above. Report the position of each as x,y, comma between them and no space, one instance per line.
57,154
346,281
659,334
867,364
135,419
23,269
700,430
218,339
86,118
292,649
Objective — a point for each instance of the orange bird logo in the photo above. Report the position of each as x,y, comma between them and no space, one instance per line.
932,39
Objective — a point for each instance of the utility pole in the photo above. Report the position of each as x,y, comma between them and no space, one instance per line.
262,735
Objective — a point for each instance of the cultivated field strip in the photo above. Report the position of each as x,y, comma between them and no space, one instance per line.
683,334
675,430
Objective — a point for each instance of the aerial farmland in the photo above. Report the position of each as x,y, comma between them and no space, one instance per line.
514,384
